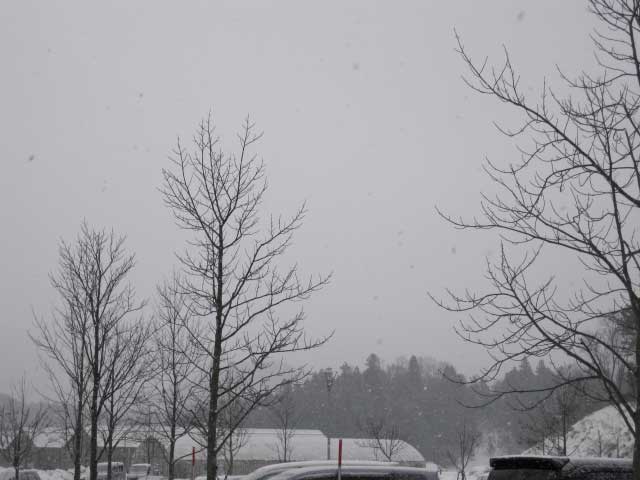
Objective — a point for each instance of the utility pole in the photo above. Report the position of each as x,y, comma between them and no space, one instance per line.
330,378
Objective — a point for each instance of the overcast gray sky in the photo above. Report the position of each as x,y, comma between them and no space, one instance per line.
365,117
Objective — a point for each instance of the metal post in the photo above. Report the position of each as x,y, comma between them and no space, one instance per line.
193,463
328,447
340,459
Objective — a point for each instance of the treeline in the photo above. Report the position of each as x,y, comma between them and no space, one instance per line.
427,404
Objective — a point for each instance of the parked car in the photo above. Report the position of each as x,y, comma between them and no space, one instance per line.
357,472
117,471
268,471
559,468
139,471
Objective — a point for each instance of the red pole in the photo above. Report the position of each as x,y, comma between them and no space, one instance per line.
193,463
340,459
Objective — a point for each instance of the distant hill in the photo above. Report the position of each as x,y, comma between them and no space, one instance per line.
604,433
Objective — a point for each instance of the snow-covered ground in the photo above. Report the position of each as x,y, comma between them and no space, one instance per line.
472,473
603,433
8,473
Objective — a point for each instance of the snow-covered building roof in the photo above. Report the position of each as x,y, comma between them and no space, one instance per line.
365,449
263,444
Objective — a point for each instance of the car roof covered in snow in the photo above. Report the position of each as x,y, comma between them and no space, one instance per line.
272,470
369,470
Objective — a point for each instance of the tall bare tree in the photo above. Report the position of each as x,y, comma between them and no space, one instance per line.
128,370
575,189
465,445
233,276
20,424
174,385
548,423
287,417
62,343
91,279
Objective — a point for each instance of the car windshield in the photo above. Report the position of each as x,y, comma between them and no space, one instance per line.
265,473
139,469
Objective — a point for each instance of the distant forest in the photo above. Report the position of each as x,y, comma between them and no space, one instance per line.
422,401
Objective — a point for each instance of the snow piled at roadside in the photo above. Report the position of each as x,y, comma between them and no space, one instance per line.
7,473
603,433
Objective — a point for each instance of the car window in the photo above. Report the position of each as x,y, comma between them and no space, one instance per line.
605,476
523,474
268,475
366,476
348,476
415,476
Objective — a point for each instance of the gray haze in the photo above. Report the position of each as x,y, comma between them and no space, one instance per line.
364,114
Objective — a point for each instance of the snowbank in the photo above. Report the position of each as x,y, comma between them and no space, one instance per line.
8,474
601,434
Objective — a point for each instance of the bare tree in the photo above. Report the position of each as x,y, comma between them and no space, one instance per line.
238,437
92,280
20,424
287,417
174,385
62,343
575,189
465,445
128,369
537,428
549,422
232,276
383,438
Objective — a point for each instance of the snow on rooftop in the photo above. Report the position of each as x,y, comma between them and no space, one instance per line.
263,444
364,449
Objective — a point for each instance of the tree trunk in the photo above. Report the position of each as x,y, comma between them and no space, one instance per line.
636,412
16,469
172,450
95,370
564,435
212,464
77,440
93,448
212,434
109,455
